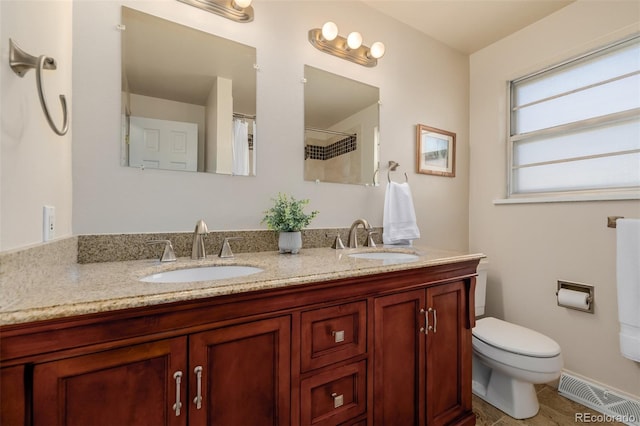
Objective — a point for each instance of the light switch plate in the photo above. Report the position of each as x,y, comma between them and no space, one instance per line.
49,223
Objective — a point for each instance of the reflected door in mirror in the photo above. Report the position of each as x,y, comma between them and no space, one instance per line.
163,144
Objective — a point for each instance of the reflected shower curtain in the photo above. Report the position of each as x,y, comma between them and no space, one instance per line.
240,148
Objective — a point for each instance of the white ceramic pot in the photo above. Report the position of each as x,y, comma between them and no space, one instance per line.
290,242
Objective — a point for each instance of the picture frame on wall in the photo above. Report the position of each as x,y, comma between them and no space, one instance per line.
435,151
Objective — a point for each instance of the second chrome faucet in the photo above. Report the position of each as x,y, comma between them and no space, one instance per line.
353,233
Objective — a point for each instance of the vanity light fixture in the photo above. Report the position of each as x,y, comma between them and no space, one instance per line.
236,10
351,48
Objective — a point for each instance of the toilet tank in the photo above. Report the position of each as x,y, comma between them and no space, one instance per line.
481,287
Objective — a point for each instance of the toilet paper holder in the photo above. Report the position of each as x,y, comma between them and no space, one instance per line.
588,290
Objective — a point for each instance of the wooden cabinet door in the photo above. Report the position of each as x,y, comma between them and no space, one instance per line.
448,354
12,396
399,348
245,374
127,386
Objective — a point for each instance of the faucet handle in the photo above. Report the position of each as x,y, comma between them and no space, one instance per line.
337,243
225,250
168,255
369,242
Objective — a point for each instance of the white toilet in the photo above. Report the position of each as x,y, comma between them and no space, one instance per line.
509,359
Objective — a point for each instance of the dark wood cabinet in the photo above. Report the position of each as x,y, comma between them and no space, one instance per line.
134,385
241,374
13,395
422,366
448,351
399,359
348,352
235,375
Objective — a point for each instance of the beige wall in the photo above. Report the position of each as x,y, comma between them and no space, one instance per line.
35,163
531,246
429,88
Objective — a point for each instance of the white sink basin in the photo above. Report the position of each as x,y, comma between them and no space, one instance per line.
208,273
386,256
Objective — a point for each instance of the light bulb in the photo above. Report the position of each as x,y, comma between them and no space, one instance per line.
329,31
377,50
242,3
354,40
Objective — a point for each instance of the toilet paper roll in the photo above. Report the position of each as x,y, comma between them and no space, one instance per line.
573,299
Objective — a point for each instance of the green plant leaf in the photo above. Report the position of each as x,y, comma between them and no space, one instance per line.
287,214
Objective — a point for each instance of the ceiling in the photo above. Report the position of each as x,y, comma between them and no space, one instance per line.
468,25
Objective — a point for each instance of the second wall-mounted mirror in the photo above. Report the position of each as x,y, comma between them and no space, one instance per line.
341,118
188,98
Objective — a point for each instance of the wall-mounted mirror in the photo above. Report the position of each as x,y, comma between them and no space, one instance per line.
188,98
341,118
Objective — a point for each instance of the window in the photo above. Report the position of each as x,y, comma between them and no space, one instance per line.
575,127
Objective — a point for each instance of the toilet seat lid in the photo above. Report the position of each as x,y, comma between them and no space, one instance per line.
514,338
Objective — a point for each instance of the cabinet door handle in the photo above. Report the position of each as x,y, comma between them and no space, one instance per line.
178,378
426,328
198,399
338,336
435,320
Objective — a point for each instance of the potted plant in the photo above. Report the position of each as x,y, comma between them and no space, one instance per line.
288,218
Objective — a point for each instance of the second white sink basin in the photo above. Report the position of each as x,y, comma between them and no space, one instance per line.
387,256
208,273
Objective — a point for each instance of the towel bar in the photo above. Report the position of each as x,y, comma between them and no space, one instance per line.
611,221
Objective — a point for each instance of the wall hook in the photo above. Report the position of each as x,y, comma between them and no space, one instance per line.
20,63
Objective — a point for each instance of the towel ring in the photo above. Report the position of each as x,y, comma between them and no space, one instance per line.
20,63
392,168
405,177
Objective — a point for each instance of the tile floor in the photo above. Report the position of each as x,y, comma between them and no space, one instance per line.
554,410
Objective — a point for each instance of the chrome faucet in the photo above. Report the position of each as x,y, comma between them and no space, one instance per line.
197,251
353,234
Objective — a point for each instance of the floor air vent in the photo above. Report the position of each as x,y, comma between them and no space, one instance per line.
611,404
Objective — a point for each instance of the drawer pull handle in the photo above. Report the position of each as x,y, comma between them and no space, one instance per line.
198,399
338,400
426,328
338,336
178,378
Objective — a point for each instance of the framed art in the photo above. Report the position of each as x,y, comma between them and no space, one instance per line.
436,151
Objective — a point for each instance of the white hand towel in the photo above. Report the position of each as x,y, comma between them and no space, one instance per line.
399,221
628,283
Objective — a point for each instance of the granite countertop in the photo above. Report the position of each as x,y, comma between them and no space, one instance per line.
31,292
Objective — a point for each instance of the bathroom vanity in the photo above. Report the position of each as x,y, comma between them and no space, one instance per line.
362,343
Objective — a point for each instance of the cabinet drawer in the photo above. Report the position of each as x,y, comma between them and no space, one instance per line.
334,396
333,334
